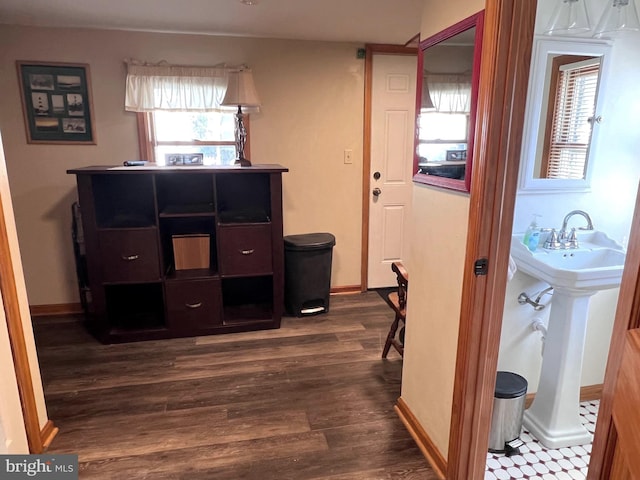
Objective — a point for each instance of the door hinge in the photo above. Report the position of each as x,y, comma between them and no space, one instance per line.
481,267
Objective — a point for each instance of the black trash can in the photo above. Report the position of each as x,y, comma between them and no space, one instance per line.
307,273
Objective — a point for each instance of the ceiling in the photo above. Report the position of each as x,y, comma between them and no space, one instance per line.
361,21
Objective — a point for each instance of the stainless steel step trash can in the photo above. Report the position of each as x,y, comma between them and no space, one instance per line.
307,273
508,409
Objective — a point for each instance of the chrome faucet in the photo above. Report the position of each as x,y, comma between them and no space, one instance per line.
563,230
565,240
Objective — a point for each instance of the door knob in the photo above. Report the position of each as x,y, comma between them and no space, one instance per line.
376,192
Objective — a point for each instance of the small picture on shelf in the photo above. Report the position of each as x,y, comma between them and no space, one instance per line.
184,159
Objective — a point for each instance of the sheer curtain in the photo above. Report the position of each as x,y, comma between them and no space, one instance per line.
449,93
175,88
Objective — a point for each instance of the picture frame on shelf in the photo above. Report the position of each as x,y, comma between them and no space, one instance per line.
183,159
56,102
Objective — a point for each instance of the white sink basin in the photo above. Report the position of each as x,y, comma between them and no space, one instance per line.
596,265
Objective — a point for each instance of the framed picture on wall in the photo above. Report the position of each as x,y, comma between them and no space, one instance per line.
56,102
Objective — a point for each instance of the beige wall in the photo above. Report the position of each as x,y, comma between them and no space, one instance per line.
312,95
435,264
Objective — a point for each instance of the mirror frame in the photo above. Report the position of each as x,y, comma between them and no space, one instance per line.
477,21
543,47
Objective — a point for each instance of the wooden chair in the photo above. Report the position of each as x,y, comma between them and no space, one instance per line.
397,300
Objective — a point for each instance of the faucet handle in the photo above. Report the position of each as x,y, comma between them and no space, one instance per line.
552,242
562,236
572,242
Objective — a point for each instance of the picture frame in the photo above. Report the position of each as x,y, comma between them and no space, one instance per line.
183,159
56,102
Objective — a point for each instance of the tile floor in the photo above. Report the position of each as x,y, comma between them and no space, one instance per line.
536,462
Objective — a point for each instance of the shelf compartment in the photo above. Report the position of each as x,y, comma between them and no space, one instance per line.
124,201
243,197
185,194
172,228
135,306
247,299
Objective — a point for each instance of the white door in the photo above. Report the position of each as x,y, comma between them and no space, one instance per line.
393,98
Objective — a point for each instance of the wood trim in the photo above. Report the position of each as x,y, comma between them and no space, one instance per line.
11,305
346,289
588,393
366,166
422,439
48,433
370,50
627,318
381,48
504,73
413,41
145,149
56,309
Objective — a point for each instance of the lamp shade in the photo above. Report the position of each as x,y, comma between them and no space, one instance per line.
241,90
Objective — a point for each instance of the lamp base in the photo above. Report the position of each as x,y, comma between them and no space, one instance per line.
243,162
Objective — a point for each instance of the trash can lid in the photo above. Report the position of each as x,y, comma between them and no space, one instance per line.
309,241
510,385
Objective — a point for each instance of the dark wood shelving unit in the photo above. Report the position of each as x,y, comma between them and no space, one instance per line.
140,225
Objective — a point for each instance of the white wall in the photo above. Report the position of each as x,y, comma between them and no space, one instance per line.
436,258
313,101
610,204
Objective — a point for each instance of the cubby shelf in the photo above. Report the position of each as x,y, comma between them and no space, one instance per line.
224,225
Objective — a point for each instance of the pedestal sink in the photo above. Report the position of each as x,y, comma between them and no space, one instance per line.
575,275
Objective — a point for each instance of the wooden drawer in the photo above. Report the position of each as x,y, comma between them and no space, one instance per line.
193,304
245,249
129,255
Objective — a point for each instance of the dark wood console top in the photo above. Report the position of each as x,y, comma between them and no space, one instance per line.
96,169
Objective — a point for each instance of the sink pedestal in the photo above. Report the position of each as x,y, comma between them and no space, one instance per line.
554,417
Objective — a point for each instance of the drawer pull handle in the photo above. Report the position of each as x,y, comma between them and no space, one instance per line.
193,305
247,252
130,258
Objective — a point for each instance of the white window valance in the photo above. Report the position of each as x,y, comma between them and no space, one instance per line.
175,88
449,93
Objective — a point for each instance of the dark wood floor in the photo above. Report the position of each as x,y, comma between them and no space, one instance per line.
312,400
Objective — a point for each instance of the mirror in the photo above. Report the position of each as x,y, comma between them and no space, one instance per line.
448,70
565,89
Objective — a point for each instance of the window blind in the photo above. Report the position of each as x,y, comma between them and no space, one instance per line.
572,120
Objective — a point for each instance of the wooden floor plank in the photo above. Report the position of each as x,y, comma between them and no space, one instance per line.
311,400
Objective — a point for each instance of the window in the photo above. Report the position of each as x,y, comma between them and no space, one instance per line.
440,133
572,114
180,111
209,133
443,123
